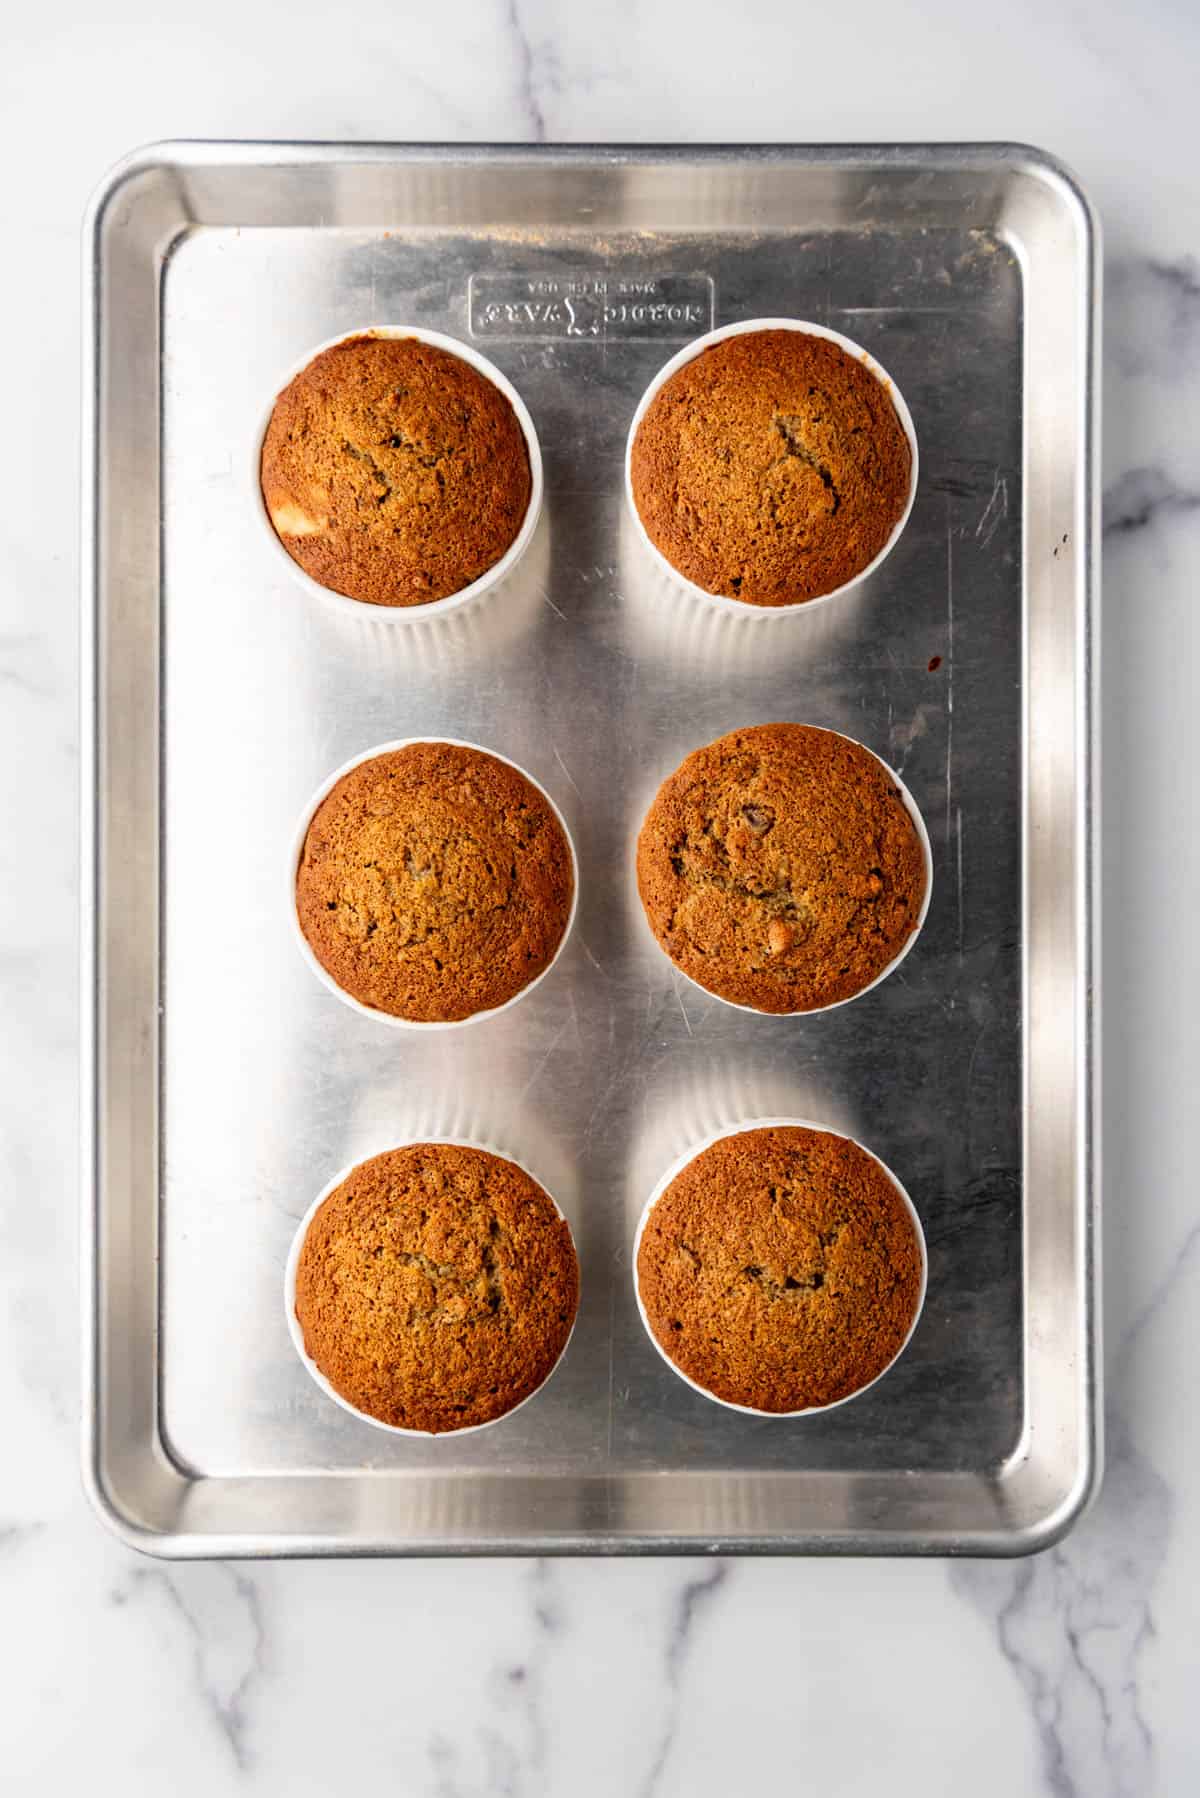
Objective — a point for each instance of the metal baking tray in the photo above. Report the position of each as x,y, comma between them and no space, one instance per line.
228,1084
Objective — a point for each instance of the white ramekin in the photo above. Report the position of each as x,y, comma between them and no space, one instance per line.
297,848
728,601
678,1166
492,576
812,1011
297,1335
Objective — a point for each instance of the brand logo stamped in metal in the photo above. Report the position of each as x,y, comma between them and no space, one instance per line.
590,308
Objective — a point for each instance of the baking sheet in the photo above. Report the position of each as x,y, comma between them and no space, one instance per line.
231,1085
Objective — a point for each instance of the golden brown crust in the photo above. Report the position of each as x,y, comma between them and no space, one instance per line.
394,472
771,468
436,1287
435,882
780,869
780,1269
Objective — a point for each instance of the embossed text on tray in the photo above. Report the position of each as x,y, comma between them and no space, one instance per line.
590,308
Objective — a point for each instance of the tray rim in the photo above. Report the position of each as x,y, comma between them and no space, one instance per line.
1060,1509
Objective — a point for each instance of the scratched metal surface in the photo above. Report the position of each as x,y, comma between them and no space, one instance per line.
595,676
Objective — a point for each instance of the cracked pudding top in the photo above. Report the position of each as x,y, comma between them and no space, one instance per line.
394,472
771,468
780,869
780,1269
435,881
436,1287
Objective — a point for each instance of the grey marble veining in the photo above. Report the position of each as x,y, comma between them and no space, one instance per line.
1142,495
220,1611
1071,1675
691,1603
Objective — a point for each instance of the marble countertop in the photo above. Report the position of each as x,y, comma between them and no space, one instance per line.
1072,1674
